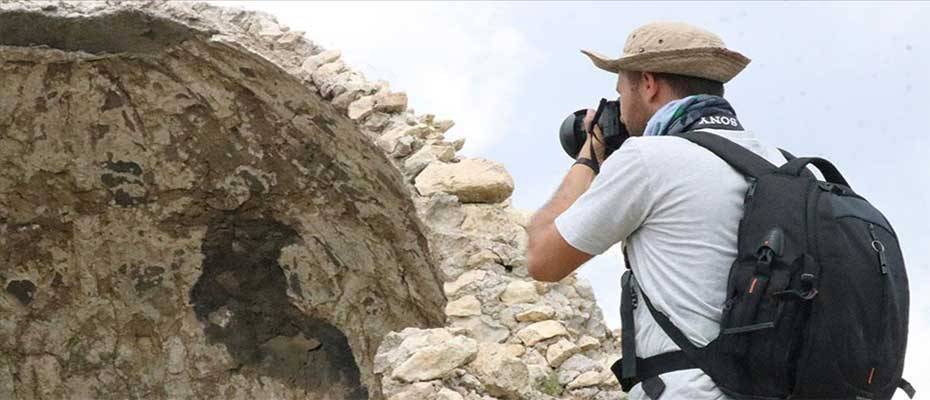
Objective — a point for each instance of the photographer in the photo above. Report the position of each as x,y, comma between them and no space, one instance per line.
675,206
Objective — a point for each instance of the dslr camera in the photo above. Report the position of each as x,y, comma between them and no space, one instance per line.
572,133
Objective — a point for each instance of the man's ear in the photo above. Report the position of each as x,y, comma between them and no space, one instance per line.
650,87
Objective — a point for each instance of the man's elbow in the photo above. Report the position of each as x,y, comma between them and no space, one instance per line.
538,270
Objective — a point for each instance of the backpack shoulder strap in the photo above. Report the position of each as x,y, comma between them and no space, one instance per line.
788,156
743,160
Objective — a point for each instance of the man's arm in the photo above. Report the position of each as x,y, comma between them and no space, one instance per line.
549,257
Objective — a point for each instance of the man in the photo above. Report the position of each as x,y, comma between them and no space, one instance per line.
675,206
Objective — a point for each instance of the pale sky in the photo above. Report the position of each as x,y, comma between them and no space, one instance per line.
845,81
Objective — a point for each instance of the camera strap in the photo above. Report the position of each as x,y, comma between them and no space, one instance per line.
593,162
590,163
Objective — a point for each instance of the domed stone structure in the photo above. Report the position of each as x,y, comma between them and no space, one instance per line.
196,202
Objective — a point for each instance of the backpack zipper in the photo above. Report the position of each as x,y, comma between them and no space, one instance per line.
879,248
747,207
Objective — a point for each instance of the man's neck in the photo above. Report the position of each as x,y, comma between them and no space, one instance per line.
662,100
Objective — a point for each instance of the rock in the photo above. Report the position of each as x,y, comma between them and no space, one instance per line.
560,351
427,118
327,72
484,328
391,102
343,100
419,160
416,391
584,393
537,313
265,25
520,292
544,287
399,136
514,350
312,63
351,82
42,372
361,108
409,117
397,347
588,343
388,141
540,331
611,395
176,355
578,363
458,144
444,126
377,121
495,222
472,180
590,378
584,289
405,146
7,381
467,278
464,307
446,394
437,360
521,217
502,373
333,86
443,213
483,256
418,131
431,390
220,317
565,376
444,153
290,40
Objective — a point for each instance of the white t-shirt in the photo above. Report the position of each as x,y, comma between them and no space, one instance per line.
677,206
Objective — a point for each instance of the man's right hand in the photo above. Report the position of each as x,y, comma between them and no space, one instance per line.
598,142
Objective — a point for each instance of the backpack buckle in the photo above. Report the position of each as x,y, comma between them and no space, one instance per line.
809,294
808,283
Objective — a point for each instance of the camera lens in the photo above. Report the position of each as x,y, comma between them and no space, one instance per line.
572,134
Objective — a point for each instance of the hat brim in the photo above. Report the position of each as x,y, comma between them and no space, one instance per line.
712,63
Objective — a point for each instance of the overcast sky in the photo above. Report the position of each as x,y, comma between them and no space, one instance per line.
846,81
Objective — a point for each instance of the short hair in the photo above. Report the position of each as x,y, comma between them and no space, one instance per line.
682,85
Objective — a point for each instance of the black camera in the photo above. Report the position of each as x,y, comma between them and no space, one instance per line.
572,133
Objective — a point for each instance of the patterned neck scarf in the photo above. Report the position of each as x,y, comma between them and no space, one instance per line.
691,113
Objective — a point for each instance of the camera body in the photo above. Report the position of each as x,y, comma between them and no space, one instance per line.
572,133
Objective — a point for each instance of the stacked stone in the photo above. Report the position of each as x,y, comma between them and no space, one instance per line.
507,335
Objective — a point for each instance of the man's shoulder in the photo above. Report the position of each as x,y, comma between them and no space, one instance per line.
671,157
665,149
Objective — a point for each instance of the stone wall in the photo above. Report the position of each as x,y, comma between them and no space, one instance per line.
197,202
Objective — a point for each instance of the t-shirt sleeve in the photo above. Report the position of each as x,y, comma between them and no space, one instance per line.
615,205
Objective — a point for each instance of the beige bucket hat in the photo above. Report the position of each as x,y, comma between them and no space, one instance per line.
674,48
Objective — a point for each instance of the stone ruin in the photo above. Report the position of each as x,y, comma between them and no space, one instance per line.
197,202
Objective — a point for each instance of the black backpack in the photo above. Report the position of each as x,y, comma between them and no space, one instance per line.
817,298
